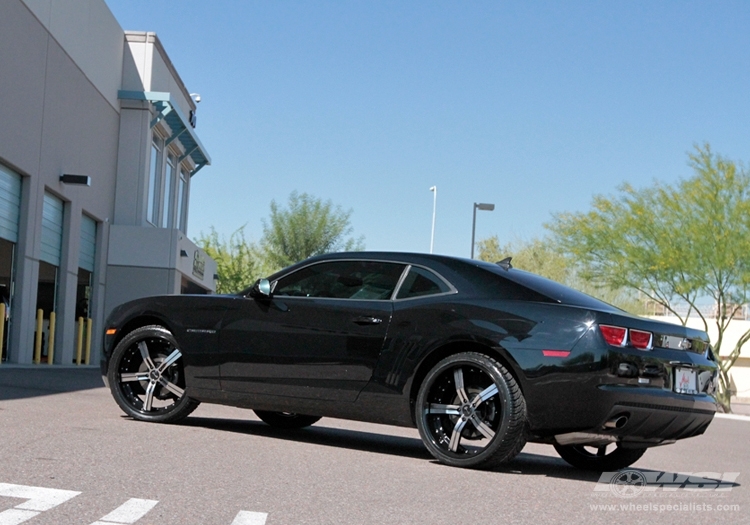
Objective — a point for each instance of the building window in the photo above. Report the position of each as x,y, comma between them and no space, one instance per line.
154,183
168,188
167,220
182,197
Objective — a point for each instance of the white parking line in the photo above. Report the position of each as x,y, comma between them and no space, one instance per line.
39,500
15,516
129,512
250,518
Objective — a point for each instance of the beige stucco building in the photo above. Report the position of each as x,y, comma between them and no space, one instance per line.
97,151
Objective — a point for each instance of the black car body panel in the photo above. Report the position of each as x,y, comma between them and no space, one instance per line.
365,358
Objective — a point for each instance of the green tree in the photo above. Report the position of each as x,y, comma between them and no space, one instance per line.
537,255
545,258
308,226
237,259
676,244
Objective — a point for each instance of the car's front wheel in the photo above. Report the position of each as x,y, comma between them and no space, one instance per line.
147,376
288,420
470,412
600,458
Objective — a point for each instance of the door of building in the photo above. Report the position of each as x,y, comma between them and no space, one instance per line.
50,257
10,206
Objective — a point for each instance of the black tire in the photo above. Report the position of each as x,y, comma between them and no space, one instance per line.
147,377
287,420
471,412
599,459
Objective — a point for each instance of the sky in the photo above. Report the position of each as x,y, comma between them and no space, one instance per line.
533,106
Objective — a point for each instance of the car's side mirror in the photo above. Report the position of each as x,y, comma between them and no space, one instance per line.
261,289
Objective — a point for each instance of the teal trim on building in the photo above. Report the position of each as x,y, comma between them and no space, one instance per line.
178,123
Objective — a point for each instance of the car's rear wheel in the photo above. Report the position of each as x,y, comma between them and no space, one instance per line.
147,376
599,458
470,412
286,419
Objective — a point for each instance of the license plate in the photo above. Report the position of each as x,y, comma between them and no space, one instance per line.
685,381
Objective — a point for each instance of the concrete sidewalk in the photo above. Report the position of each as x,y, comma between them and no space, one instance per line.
741,407
21,381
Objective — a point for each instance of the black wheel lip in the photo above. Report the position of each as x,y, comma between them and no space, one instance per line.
581,450
617,459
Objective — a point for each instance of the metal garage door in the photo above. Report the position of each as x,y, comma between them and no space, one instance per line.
10,204
52,227
88,244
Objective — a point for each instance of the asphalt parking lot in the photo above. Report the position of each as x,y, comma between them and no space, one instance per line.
68,455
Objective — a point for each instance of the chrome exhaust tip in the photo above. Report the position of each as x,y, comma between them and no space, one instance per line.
617,422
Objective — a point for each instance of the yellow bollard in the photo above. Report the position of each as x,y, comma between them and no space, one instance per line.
38,342
89,323
2,329
51,343
79,341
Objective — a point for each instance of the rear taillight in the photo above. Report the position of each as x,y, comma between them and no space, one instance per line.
619,336
640,339
614,335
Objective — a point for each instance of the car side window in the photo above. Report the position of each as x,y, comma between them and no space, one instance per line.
420,282
342,280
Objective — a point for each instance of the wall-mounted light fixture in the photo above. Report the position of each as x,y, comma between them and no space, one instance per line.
193,118
183,253
83,180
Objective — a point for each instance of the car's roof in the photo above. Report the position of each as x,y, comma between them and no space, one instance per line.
478,275
399,256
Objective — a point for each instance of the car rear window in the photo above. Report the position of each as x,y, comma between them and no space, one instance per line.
420,282
543,289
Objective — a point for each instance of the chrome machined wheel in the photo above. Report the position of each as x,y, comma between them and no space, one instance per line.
471,412
147,376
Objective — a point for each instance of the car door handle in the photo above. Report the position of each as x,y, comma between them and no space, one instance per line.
367,320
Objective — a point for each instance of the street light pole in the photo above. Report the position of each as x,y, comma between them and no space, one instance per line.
478,206
433,189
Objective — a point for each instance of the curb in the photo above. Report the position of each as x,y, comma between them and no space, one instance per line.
736,417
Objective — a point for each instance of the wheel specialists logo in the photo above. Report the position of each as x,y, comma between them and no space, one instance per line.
631,483
628,484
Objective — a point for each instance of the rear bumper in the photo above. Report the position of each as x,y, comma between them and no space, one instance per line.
639,417
655,415
655,425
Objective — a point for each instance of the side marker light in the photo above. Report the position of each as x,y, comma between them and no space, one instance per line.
555,353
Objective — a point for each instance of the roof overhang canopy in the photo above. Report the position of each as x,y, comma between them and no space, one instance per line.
181,129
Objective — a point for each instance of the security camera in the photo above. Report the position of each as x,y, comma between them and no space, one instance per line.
196,97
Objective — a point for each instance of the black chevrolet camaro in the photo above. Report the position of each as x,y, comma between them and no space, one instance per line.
480,357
